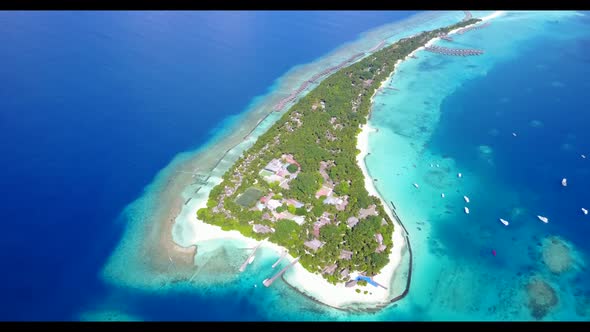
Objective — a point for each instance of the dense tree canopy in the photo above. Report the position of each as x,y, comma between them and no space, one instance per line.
322,126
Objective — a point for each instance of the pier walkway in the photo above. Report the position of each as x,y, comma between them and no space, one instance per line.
468,15
280,259
243,267
268,282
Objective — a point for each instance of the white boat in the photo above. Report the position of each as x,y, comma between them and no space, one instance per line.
442,195
585,211
543,219
505,222
251,259
466,199
416,185
466,210
437,165
459,175
564,182
583,156
514,134
431,165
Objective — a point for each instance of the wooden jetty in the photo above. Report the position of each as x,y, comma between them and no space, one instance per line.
453,51
280,259
243,267
445,37
378,284
268,282
468,15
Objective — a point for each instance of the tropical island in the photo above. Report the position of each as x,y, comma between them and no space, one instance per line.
300,187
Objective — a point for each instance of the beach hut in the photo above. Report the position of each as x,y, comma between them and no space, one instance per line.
352,221
314,244
351,283
262,229
330,269
344,273
346,254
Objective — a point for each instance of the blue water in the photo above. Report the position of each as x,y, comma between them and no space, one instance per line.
93,104
547,82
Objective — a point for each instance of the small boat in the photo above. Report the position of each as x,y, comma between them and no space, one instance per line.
416,185
431,165
437,165
505,222
585,211
251,259
564,182
466,210
514,134
442,195
466,199
493,252
583,156
543,219
459,175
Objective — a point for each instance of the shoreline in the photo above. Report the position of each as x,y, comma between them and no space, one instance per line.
161,225
313,285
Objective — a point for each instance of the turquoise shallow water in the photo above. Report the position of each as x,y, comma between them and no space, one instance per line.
446,120
430,122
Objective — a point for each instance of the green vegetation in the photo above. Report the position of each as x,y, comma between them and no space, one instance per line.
249,197
292,168
321,127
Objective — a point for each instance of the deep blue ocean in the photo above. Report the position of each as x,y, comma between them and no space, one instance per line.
93,104
542,97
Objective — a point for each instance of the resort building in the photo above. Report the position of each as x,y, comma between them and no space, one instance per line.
324,191
370,211
274,166
352,221
344,273
351,283
273,204
261,229
346,254
330,269
314,244
381,246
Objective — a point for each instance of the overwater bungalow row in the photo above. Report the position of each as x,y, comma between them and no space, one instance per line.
453,51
